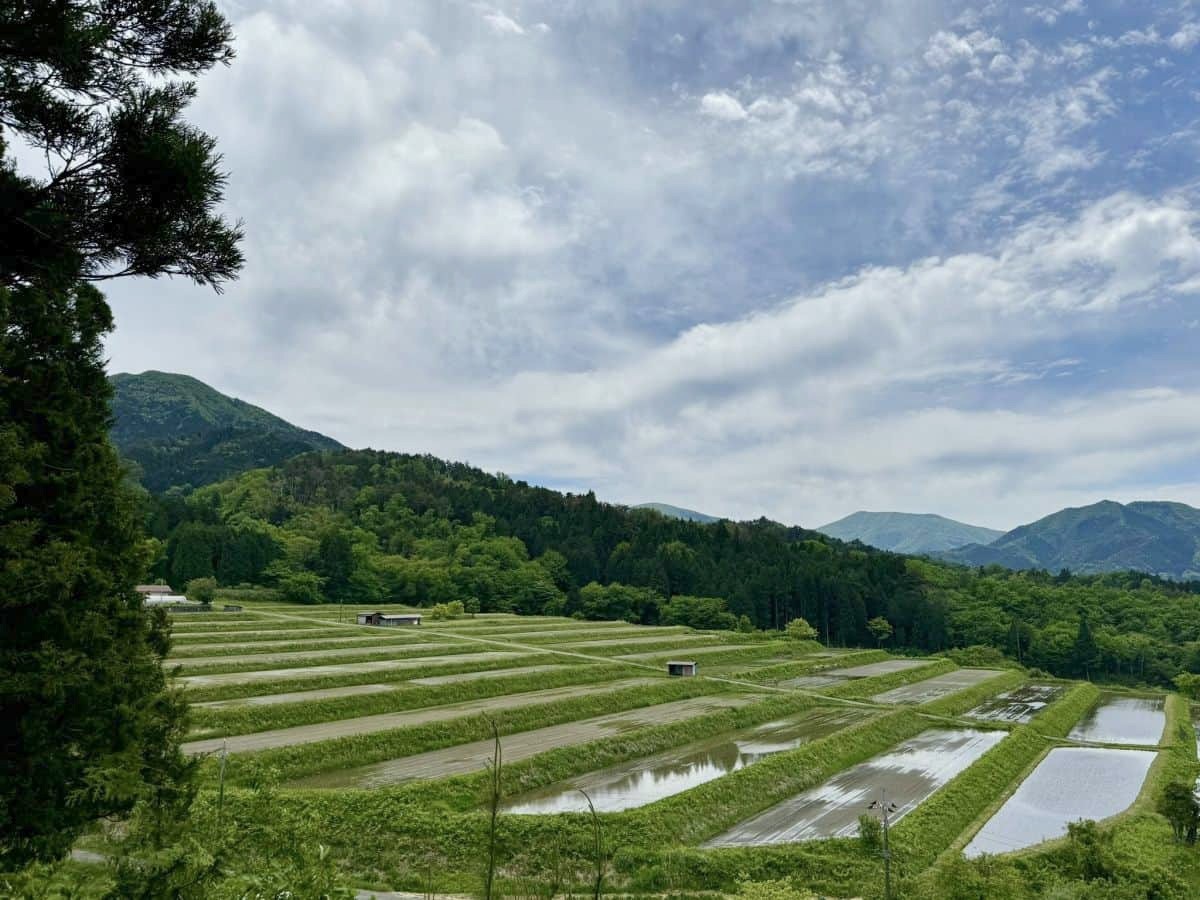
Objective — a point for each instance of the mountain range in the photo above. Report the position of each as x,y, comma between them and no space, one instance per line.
1158,537
180,432
908,532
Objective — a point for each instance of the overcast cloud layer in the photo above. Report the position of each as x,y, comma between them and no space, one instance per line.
785,258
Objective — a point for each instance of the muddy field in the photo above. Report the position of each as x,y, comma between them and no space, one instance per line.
644,781
325,731
1018,705
937,687
472,757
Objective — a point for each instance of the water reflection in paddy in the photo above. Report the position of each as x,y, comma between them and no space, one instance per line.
1118,719
910,773
1071,783
653,778
1018,705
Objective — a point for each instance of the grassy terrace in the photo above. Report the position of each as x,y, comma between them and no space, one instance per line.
436,823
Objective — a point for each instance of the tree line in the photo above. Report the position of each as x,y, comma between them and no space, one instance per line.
371,527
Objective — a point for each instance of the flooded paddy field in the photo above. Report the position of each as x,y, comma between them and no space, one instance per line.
937,687
379,665
466,758
909,774
653,778
1071,783
1018,705
1122,719
867,670
324,731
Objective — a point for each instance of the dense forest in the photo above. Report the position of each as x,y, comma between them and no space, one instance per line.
368,526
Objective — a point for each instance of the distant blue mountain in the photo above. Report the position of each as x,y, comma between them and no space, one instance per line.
678,512
908,532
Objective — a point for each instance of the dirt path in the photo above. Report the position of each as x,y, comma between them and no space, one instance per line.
324,731
466,758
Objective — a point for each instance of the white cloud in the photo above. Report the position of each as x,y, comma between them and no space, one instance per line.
1186,37
532,247
720,105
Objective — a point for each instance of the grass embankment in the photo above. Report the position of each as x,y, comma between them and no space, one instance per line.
415,818
234,691
359,750
401,651
249,719
210,649
181,639
952,816
1143,856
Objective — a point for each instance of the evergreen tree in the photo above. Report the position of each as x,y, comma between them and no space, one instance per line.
87,728
1085,655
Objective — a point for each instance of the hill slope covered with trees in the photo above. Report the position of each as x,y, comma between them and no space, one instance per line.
1150,536
368,526
181,432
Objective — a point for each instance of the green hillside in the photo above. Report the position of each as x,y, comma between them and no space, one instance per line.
372,527
1148,536
908,532
678,512
182,432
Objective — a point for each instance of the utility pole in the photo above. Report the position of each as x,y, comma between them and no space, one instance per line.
221,788
886,809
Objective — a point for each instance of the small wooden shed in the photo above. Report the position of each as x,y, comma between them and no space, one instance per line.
681,668
391,620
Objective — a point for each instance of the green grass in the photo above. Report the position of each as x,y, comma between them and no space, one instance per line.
205,693
404,651
444,818
187,654
359,750
249,719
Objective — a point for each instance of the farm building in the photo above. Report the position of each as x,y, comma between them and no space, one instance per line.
389,619
681,668
153,590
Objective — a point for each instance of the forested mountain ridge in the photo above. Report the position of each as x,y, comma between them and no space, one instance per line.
907,532
181,432
1158,537
369,526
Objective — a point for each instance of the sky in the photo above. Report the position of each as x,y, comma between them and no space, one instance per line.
782,258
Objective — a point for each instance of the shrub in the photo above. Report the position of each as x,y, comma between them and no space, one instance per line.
201,590
453,610
300,587
799,630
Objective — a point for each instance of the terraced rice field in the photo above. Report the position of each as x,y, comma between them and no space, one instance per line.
352,722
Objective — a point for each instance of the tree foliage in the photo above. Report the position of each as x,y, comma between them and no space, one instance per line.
98,89
414,529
